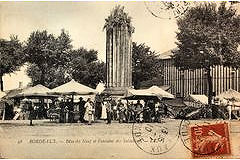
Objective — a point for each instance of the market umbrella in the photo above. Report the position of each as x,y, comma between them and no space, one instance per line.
230,95
72,88
203,99
100,88
133,94
36,91
160,92
2,94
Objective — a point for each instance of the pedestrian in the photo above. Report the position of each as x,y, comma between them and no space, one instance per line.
229,108
81,105
70,110
30,108
157,112
138,111
62,112
104,111
89,111
109,112
121,110
98,104
114,107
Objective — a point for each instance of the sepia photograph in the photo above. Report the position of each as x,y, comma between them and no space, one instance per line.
120,80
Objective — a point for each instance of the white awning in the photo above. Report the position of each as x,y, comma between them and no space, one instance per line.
73,88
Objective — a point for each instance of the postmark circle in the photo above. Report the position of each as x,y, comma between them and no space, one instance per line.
156,138
185,136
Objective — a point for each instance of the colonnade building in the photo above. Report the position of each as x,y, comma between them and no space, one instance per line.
183,83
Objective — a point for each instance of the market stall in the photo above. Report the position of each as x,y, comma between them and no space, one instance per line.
68,91
231,100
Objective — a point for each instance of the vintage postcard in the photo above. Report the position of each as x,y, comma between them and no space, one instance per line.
120,80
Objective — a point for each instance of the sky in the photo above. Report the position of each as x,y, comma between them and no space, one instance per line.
84,21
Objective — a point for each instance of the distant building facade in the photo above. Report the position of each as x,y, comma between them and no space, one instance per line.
183,83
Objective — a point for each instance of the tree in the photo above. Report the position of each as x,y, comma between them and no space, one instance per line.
146,67
85,67
11,57
208,35
54,76
53,62
44,52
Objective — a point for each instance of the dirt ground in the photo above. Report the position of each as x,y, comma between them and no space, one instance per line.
54,140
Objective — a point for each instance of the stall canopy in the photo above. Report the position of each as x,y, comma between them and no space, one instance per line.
160,92
72,88
230,95
100,88
38,90
150,93
2,94
203,99
133,94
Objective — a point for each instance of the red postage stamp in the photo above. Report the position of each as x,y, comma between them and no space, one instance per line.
210,140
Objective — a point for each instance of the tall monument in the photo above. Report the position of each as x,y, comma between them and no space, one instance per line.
118,51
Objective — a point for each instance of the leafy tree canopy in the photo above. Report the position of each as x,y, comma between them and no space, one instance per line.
208,35
54,62
85,67
146,66
45,51
11,56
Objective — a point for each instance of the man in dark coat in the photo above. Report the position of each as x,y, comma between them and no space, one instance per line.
81,104
98,109
31,110
109,112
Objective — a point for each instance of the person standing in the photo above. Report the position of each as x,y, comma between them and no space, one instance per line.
62,118
109,112
104,111
30,108
81,105
114,108
89,112
229,108
98,106
70,110
121,110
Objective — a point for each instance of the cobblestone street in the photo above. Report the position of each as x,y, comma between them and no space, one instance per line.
54,140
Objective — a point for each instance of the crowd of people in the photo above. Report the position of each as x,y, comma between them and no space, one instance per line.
118,110
123,111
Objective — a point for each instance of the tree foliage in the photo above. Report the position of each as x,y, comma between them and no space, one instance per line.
45,51
85,67
11,56
54,62
147,69
208,35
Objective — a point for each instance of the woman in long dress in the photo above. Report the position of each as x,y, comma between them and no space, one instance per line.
88,116
104,111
